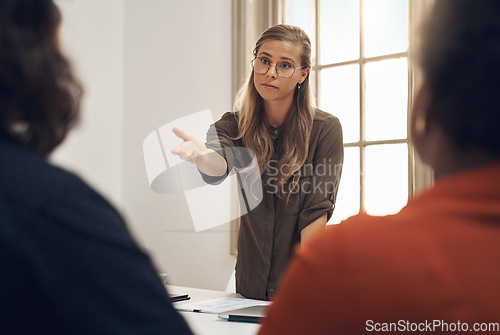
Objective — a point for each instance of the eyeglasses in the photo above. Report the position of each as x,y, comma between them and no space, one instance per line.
283,69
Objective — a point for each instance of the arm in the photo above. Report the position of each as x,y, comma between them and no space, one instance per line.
313,228
193,150
320,181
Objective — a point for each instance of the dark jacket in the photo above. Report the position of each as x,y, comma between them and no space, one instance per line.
68,264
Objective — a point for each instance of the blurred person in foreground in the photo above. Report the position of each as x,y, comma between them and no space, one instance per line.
434,266
68,264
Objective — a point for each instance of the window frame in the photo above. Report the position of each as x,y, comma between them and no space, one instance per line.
361,62
419,176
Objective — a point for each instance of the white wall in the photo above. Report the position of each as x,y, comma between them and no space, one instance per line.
143,64
177,62
92,37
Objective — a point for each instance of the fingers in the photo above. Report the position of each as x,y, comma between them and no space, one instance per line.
186,151
182,150
183,153
190,149
181,134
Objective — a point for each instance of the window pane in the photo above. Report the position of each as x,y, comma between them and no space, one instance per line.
385,26
312,82
386,178
339,30
386,99
297,14
340,97
348,196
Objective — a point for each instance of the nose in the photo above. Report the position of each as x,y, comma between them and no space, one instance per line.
271,72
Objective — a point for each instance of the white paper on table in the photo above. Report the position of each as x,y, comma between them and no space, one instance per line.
219,305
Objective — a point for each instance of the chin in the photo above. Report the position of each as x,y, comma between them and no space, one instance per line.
264,95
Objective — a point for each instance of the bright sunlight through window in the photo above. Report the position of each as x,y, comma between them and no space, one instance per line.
360,75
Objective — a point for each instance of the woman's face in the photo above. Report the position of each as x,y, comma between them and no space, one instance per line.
272,87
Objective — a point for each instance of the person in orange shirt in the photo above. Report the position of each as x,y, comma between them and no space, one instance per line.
434,266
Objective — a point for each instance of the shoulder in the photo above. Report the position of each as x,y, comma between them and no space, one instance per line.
24,172
227,124
365,238
29,181
326,123
323,117
326,127
228,119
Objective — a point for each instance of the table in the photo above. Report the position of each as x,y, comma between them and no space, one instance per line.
210,324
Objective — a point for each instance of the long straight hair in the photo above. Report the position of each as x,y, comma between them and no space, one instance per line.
296,129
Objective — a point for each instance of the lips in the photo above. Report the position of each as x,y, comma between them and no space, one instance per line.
269,86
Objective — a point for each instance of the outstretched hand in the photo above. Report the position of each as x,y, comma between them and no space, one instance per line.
191,148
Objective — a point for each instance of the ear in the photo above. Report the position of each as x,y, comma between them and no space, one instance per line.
304,74
419,125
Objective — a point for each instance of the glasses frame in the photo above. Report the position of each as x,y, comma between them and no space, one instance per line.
276,69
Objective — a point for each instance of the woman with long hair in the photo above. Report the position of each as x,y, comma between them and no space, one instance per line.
296,150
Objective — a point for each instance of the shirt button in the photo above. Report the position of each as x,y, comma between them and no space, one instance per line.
271,290
275,132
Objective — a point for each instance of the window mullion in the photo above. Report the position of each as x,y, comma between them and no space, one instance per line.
317,48
361,109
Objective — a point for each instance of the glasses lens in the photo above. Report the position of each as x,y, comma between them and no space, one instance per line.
260,65
285,69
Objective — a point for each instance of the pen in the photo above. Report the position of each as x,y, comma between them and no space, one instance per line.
240,318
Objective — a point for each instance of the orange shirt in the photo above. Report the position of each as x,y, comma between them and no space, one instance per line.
431,268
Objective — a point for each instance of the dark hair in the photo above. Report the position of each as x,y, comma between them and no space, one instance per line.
39,96
460,60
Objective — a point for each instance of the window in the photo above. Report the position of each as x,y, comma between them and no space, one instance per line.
361,74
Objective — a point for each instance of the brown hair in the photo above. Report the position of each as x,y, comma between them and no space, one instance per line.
39,96
252,125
